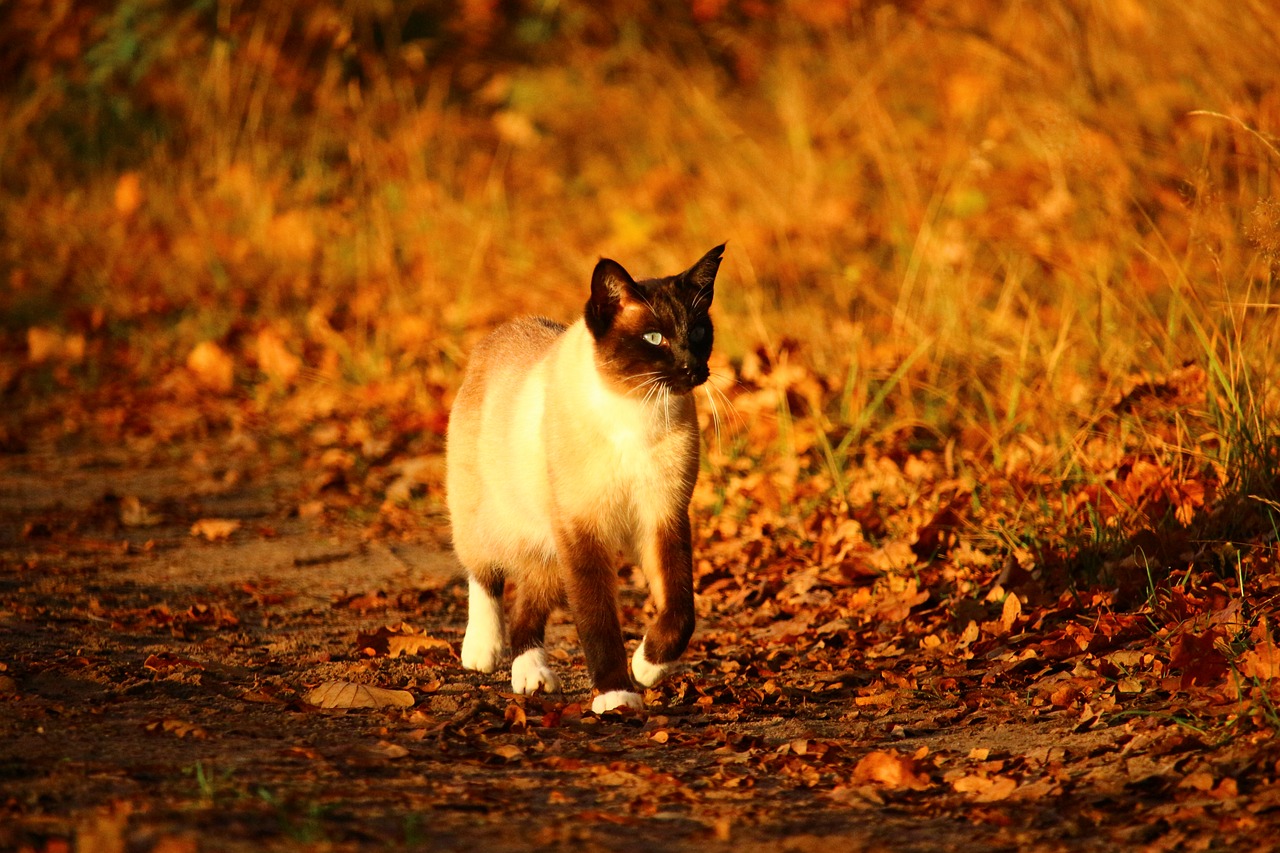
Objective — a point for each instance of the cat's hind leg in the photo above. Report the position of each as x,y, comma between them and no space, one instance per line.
482,645
530,671
592,584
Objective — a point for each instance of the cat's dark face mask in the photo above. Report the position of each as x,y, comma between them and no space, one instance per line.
653,334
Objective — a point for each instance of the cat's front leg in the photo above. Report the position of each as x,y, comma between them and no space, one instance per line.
482,644
669,566
591,582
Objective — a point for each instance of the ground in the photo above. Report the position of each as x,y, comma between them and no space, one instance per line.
157,696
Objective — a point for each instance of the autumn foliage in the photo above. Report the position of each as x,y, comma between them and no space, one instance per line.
996,407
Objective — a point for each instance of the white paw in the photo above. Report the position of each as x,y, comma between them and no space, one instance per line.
617,699
645,673
530,673
482,655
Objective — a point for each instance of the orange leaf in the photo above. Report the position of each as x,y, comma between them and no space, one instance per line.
215,529
211,367
890,770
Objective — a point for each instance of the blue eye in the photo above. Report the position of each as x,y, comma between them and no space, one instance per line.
654,338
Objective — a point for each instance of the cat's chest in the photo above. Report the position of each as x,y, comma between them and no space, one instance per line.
625,454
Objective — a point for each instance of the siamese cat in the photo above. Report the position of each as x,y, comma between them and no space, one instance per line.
568,446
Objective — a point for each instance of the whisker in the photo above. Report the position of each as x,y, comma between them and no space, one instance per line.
730,408
655,377
715,415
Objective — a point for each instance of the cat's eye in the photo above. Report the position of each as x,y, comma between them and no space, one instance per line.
654,338
697,333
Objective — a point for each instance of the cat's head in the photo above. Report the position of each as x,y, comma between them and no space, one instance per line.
656,332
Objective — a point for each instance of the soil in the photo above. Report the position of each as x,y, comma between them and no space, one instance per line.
154,686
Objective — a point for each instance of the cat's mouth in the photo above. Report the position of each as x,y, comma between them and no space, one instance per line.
683,383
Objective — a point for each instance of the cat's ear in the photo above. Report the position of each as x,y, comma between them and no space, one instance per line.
610,287
701,277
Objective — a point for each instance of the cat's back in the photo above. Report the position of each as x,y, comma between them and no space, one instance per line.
496,378
503,358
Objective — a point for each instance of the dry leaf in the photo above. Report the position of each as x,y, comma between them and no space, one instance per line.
128,194
388,750
1262,662
890,770
986,789
274,359
515,718
215,529
212,367
181,728
508,752
134,514
348,694
168,660
401,639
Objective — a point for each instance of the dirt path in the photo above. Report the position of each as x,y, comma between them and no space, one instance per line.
152,686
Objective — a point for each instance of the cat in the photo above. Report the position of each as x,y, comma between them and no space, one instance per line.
567,446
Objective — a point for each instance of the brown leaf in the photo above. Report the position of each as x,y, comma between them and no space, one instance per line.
128,194
515,718
215,529
181,728
212,367
890,770
985,789
168,660
507,752
274,359
134,514
1262,662
399,639
388,750
1198,657
348,694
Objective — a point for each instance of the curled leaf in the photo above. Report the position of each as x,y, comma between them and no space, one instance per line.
348,694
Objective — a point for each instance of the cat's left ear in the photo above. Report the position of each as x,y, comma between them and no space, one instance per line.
610,285
701,277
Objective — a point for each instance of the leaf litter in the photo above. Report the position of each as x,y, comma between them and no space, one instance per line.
865,654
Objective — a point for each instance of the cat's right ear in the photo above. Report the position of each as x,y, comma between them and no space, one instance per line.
610,284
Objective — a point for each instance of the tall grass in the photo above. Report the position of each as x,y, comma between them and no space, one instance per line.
982,222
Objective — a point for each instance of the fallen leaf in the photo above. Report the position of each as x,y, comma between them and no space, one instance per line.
215,529
508,752
212,367
890,770
274,359
134,514
401,639
349,694
168,660
1262,662
515,718
388,750
986,789
1201,780
1198,657
181,728
128,194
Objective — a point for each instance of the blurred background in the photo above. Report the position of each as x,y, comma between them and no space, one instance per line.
977,225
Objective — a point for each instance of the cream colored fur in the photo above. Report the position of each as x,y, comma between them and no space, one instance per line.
547,440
